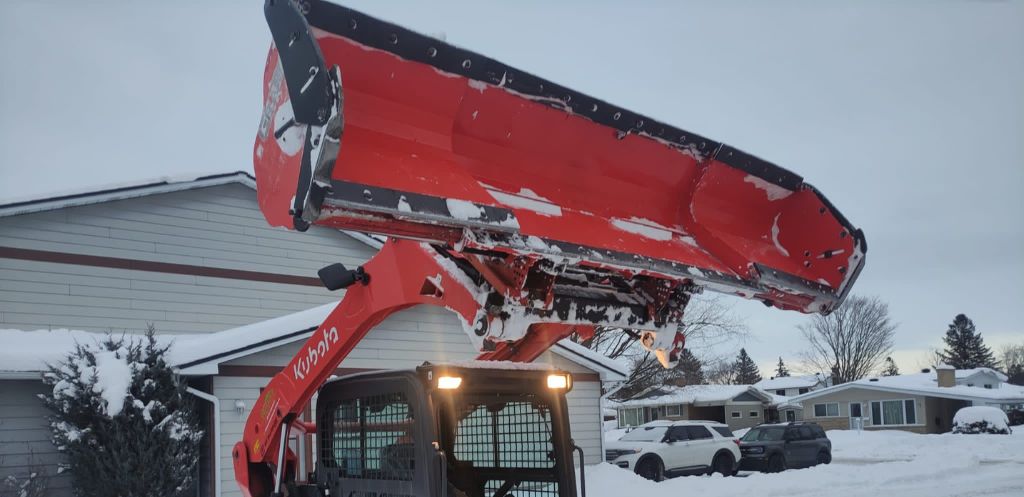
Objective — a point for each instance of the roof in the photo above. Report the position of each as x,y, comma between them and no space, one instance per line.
784,382
692,394
962,374
141,188
26,353
121,191
926,384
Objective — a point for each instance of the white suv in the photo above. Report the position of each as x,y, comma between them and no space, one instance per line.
670,448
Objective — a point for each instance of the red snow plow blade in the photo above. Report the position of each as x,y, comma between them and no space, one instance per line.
420,139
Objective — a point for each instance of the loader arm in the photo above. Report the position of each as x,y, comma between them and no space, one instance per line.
509,319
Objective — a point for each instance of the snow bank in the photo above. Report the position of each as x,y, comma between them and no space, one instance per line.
864,463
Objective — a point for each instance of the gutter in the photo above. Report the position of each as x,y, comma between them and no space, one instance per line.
215,439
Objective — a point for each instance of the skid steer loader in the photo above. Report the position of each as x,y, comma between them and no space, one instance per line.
530,211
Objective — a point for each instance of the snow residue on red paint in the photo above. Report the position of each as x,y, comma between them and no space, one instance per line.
643,227
773,191
775,236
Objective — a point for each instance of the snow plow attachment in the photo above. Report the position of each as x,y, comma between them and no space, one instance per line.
371,127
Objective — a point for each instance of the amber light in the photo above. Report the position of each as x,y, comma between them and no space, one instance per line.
559,381
448,382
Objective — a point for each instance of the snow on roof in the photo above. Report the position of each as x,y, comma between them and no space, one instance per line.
120,191
26,353
784,382
925,384
967,373
693,394
574,351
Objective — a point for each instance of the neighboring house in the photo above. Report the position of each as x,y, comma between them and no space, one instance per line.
922,402
791,386
196,260
739,406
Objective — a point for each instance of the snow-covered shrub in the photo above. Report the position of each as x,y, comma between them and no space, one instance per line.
123,419
981,419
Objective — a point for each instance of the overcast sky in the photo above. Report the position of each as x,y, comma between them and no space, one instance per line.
910,117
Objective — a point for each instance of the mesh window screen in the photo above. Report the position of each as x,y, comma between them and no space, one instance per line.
373,438
503,436
523,489
514,435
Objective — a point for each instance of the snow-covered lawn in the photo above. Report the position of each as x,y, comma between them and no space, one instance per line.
879,463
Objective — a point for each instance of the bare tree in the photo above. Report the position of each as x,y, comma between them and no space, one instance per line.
707,322
851,342
1012,357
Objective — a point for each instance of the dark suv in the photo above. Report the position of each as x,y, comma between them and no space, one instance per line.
775,447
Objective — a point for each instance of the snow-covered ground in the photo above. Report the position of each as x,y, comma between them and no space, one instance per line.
878,463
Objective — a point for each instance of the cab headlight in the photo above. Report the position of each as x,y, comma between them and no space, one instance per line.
559,381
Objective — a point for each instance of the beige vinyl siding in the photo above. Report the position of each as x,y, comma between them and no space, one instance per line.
218,227
25,436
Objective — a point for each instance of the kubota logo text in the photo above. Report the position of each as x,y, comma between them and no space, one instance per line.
314,352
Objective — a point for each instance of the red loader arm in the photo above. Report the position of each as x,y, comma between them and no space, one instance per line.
509,319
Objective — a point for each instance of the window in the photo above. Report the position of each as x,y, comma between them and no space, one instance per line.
724,431
909,408
893,412
806,433
818,431
629,417
802,391
646,434
855,410
829,410
780,392
753,414
373,438
988,386
673,410
737,414
514,435
677,434
970,384
697,433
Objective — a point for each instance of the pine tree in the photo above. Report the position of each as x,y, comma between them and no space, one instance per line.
746,371
780,369
965,349
123,419
690,370
890,369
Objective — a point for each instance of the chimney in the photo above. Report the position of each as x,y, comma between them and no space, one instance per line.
946,375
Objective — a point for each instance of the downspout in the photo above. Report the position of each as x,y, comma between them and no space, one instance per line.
215,438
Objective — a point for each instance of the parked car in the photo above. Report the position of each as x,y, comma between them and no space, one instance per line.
661,449
776,447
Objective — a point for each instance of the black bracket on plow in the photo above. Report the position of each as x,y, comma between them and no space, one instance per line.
309,84
314,94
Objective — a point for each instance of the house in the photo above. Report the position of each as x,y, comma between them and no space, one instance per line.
739,406
791,386
923,402
195,259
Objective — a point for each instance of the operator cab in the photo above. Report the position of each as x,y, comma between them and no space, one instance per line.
474,429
